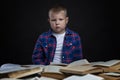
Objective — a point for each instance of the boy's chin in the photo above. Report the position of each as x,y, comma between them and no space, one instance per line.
59,32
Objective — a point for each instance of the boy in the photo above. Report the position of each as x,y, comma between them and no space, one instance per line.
59,44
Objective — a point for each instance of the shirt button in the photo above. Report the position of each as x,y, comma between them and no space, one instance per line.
70,43
46,46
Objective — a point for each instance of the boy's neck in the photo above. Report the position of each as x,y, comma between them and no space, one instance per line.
59,33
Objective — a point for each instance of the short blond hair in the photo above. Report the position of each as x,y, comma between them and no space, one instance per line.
57,8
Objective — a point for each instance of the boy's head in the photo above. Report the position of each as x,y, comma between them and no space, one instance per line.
58,18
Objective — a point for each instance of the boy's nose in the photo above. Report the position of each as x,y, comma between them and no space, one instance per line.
57,22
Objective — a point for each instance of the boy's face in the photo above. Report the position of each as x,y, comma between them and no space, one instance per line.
58,21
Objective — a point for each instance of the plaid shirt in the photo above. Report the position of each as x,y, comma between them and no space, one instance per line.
46,44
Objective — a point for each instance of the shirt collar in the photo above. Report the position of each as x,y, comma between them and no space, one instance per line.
68,32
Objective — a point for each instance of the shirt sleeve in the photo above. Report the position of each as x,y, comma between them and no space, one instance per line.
38,53
78,48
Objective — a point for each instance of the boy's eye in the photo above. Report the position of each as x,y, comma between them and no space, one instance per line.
56,20
53,20
60,19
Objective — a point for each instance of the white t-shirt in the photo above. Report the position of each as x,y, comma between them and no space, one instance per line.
59,45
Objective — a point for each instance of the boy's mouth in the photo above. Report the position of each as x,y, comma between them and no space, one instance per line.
57,27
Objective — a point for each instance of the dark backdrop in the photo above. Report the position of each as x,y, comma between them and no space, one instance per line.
24,20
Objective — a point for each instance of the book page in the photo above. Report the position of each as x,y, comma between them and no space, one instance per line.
58,64
78,68
112,62
11,79
112,74
35,78
45,78
91,77
107,63
9,67
85,77
52,69
78,63
98,63
73,77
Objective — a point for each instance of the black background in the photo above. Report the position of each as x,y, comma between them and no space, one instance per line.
24,20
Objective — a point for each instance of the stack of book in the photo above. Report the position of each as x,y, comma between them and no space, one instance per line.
18,71
109,70
82,67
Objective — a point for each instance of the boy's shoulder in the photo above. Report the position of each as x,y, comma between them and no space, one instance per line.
46,33
70,31
43,36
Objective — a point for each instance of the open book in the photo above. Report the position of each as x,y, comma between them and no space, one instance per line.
46,78
80,67
110,76
85,77
32,78
109,66
109,63
17,71
58,64
53,71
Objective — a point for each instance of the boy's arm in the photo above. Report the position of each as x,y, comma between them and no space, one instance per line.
78,48
38,56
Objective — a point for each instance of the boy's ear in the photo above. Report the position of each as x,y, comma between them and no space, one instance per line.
67,19
48,20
